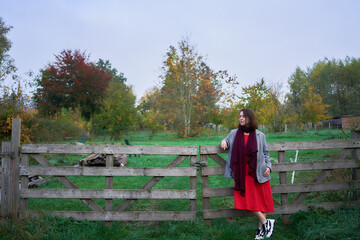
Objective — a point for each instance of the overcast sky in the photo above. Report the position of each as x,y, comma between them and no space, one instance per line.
251,39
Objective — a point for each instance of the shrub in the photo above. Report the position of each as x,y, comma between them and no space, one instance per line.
67,125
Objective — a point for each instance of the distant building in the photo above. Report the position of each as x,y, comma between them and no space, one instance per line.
346,122
351,121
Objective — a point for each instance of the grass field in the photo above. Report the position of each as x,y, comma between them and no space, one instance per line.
343,223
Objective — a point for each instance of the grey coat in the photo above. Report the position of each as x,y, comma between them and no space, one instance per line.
263,157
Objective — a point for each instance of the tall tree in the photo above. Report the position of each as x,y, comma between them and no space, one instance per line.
151,117
264,101
338,82
71,81
312,108
7,65
304,99
13,100
118,113
190,88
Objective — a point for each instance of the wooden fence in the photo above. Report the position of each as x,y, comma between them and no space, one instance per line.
110,213
351,149
12,199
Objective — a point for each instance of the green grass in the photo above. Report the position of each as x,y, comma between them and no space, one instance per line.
343,223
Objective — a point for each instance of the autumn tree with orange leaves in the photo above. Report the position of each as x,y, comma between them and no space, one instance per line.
190,89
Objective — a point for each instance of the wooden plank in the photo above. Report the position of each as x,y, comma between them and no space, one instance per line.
90,203
289,188
298,166
289,209
284,196
5,180
108,149
285,146
315,187
225,213
210,171
24,183
279,209
205,185
14,166
149,184
103,171
108,194
193,184
218,159
218,192
121,216
305,166
109,185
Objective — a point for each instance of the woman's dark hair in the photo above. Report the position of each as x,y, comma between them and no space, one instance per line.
252,118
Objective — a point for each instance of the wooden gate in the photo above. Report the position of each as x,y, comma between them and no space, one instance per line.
110,213
351,151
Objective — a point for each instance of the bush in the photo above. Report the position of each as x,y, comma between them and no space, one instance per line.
67,125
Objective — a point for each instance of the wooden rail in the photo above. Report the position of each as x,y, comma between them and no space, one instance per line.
351,148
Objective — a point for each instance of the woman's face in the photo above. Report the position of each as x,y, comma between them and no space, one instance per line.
244,121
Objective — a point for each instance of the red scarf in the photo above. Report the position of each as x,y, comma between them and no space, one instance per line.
238,158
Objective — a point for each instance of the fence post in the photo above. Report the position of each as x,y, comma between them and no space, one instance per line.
205,184
355,156
109,185
5,180
284,196
24,185
193,185
15,167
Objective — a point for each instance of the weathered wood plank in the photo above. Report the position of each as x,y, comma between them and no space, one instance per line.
149,184
204,185
14,165
108,149
218,159
298,166
288,188
284,196
108,193
24,183
305,166
121,216
210,171
193,185
285,146
5,180
279,209
103,171
218,192
90,203
315,187
109,185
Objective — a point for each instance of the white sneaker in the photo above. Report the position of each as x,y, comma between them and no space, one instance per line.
260,233
269,227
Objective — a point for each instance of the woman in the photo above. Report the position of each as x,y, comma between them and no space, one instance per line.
248,163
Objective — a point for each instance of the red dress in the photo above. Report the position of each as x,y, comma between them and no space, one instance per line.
258,196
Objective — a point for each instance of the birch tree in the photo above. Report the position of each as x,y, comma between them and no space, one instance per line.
190,89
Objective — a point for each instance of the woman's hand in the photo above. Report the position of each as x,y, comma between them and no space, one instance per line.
224,145
267,172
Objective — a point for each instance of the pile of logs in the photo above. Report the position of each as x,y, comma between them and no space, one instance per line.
120,160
